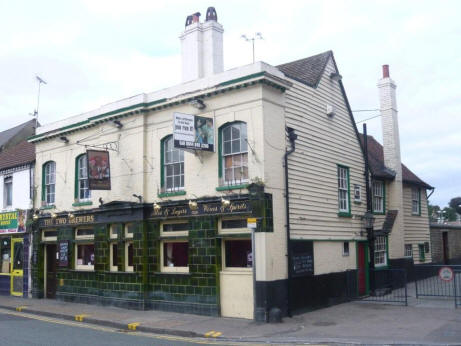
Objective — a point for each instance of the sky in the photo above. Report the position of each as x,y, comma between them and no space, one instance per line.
93,52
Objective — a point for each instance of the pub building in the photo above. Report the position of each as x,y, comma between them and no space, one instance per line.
237,193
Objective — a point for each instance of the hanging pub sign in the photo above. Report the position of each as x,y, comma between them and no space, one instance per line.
98,169
193,132
13,222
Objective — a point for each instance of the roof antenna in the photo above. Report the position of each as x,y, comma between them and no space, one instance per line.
35,114
257,36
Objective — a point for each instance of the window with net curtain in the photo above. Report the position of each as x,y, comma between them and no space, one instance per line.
50,182
173,165
235,153
83,191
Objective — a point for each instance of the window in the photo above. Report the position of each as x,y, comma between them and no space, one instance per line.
378,196
174,248
83,191
129,266
115,231
422,255
408,250
346,249
357,193
233,225
238,253
343,190
113,257
234,153
380,251
7,192
49,182
173,166
5,255
84,249
50,235
415,201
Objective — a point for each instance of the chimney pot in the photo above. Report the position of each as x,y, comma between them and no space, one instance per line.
385,71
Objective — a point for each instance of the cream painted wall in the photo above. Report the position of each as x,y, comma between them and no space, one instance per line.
328,257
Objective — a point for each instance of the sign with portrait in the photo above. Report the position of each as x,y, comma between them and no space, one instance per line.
98,169
13,222
193,132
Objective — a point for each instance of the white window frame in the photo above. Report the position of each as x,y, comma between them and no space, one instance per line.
243,138
50,183
173,233
381,247
408,250
167,269
415,201
357,193
8,180
112,234
223,256
378,196
52,238
222,230
82,177
172,163
127,234
128,268
113,266
90,241
343,189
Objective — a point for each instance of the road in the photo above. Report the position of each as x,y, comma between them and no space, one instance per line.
24,329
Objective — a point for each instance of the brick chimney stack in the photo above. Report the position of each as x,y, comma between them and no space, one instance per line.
392,160
202,46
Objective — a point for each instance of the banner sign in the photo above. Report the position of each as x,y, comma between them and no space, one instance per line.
13,222
65,220
238,207
193,132
98,169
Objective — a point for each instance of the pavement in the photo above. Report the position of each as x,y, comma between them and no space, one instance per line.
423,322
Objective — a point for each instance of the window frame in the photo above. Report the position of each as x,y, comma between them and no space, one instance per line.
81,157
163,167
173,237
384,251
422,252
7,180
416,191
242,230
223,256
49,238
382,197
408,250
83,240
348,252
113,267
128,268
222,156
347,211
46,185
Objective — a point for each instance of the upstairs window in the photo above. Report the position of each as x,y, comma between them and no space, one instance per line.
415,201
7,192
49,187
83,191
380,251
378,196
343,190
173,166
234,153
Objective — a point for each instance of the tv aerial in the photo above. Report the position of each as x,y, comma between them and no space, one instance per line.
35,113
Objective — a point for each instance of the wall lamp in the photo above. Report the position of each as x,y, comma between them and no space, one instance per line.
64,139
70,216
335,76
225,202
198,103
54,215
193,205
157,207
118,124
139,197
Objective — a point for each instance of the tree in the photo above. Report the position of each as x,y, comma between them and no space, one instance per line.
433,211
455,203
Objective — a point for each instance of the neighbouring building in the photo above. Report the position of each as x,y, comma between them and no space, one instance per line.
446,242
17,159
176,199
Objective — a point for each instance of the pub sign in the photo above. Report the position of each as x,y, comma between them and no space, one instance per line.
98,169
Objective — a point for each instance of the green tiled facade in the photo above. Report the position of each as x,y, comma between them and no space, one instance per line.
147,287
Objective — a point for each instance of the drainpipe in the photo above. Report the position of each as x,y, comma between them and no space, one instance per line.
292,136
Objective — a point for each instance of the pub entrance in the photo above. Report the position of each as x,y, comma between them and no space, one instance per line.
50,270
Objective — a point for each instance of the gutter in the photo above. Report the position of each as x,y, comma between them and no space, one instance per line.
292,136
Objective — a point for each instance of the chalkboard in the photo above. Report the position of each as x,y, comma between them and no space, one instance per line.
302,258
63,253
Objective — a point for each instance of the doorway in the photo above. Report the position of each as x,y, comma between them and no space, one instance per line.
445,247
17,259
50,271
362,268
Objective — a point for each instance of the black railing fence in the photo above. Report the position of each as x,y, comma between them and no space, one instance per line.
429,282
457,288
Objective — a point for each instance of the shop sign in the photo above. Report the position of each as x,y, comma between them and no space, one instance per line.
98,169
302,258
63,254
252,223
13,222
237,207
446,274
193,132
65,220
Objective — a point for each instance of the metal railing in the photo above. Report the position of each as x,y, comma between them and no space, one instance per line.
429,284
457,288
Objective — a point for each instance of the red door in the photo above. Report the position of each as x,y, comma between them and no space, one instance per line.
362,275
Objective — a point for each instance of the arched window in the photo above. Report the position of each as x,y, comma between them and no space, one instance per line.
234,153
83,192
49,182
173,166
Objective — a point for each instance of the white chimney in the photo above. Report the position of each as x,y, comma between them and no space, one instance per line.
202,46
392,160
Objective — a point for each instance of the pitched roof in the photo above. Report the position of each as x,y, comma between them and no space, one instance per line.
308,70
379,170
8,135
18,155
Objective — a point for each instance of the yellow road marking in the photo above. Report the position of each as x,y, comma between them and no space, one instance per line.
20,308
133,326
215,335
208,334
80,318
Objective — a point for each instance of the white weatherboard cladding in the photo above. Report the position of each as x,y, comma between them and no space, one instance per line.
416,226
322,144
